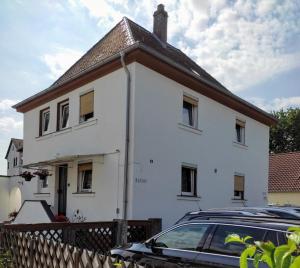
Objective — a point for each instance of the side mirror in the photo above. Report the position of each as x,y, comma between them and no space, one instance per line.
150,243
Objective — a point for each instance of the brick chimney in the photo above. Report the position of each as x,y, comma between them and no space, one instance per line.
160,23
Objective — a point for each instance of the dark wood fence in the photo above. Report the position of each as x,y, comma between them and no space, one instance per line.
95,236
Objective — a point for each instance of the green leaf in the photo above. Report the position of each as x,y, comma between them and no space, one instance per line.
295,263
280,255
247,238
233,238
248,252
256,260
294,229
295,237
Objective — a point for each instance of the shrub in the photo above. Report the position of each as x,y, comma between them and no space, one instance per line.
283,256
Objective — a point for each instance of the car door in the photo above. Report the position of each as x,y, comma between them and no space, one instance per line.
219,254
177,247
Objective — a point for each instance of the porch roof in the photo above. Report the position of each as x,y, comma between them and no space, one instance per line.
61,160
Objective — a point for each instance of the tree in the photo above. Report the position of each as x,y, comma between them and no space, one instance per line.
285,136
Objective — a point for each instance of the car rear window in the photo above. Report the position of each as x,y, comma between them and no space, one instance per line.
218,241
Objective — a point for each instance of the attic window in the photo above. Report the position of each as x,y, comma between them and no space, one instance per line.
86,106
63,115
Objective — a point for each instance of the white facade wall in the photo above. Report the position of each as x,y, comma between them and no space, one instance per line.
159,136
155,134
104,134
4,198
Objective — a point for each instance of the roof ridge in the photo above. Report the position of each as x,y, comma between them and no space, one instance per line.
129,29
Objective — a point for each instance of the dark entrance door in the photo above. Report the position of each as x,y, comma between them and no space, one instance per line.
62,189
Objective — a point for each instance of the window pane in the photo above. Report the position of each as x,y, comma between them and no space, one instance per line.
238,133
185,237
46,118
87,106
187,113
218,242
186,180
87,180
65,115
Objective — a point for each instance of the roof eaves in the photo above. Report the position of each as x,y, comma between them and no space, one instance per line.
209,83
99,64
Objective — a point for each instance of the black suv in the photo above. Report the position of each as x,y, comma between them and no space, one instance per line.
201,243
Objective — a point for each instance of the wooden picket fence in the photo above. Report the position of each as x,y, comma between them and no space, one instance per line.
94,236
33,252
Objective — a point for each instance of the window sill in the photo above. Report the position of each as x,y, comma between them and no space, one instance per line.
42,194
239,145
45,136
87,123
190,129
188,197
62,131
85,194
235,200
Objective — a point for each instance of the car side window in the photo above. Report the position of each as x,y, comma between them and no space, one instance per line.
271,236
185,237
218,241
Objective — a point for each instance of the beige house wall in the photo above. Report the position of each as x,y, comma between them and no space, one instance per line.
284,198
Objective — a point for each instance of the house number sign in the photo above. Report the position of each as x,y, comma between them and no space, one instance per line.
140,180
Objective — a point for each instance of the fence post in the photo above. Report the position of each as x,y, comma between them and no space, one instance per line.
31,251
155,224
121,232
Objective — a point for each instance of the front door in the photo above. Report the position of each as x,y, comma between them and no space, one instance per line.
62,189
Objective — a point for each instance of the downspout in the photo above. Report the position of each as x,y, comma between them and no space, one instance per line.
126,158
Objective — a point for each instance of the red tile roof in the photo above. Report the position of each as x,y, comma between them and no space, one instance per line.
284,172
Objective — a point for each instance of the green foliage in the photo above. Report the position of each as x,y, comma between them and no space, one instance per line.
5,259
285,136
283,256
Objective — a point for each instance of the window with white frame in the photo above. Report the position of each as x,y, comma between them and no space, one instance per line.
86,106
240,131
190,111
188,180
63,115
85,172
44,182
44,121
239,186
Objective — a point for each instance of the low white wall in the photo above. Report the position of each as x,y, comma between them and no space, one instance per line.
32,212
4,198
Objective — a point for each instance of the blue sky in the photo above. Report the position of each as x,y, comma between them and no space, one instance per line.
252,47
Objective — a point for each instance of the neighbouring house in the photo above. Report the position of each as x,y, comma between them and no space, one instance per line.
136,129
4,198
284,179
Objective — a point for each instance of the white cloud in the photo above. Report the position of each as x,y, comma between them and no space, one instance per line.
276,104
10,124
5,105
61,60
241,43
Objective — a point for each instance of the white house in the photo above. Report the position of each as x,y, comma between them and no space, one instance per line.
135,129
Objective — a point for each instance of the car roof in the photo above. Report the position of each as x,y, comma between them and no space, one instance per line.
267,223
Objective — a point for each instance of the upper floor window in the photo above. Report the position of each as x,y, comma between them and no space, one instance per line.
44,121
190,111
63,115
7,164
240,131
239,187
15,161
86,106
85,177
188,181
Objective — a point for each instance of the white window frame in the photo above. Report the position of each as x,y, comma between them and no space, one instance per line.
43,112
61,110
240,196
242,125
194,113
80,183
193,170
44,183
